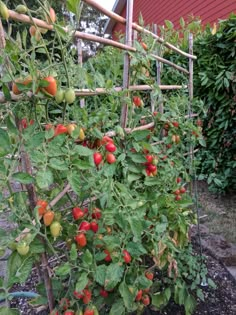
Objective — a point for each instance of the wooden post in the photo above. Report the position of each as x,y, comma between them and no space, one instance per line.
128,42
80,62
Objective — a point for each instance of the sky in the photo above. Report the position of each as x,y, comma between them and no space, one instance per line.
108,4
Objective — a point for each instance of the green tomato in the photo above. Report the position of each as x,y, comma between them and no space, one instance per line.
21,9
55,229
22,248
59,97
70,96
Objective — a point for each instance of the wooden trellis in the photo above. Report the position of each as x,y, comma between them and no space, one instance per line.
127,47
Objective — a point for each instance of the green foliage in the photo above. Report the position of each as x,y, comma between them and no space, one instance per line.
215,83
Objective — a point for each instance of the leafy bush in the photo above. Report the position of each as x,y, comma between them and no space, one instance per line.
214,81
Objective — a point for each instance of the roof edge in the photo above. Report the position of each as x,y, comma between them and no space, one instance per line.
117,8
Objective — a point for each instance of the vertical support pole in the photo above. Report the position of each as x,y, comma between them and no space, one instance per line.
128,41
80,62
190,89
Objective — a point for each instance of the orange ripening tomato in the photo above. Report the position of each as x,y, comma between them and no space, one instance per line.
25,81
52,86
144,46
48,217
42,204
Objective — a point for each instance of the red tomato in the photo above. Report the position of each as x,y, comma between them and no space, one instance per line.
69,312
77,213
137,101
110,147
106,140
78,295
149,275
94,226
84,226
152,168
52,86
64,303
177,192
81,240
104,293
110,158
149,158
42,204
108,256
155,113
97,213
178,197
87,296
148,172
97,157
182,190
146,299
127,257
169,146
175,124
89,311
60,129
178,180
54,312
139,295
24,123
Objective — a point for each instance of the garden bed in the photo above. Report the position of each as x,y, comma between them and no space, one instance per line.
221,301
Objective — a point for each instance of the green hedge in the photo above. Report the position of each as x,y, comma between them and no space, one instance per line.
215,84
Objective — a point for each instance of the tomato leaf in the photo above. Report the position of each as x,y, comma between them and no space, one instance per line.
5,146
118,308
44,178
113,276
82,282
83,151
63,270
128,295
100,274
75,182
87,257
57,164
23,178
73,252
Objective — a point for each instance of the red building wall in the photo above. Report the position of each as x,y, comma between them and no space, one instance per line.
157,11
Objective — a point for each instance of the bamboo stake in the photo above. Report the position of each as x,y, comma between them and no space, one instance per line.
190,87
26,19
138,28
99,91
128,42
80,62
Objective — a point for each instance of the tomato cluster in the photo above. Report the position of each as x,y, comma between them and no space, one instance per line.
110,148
